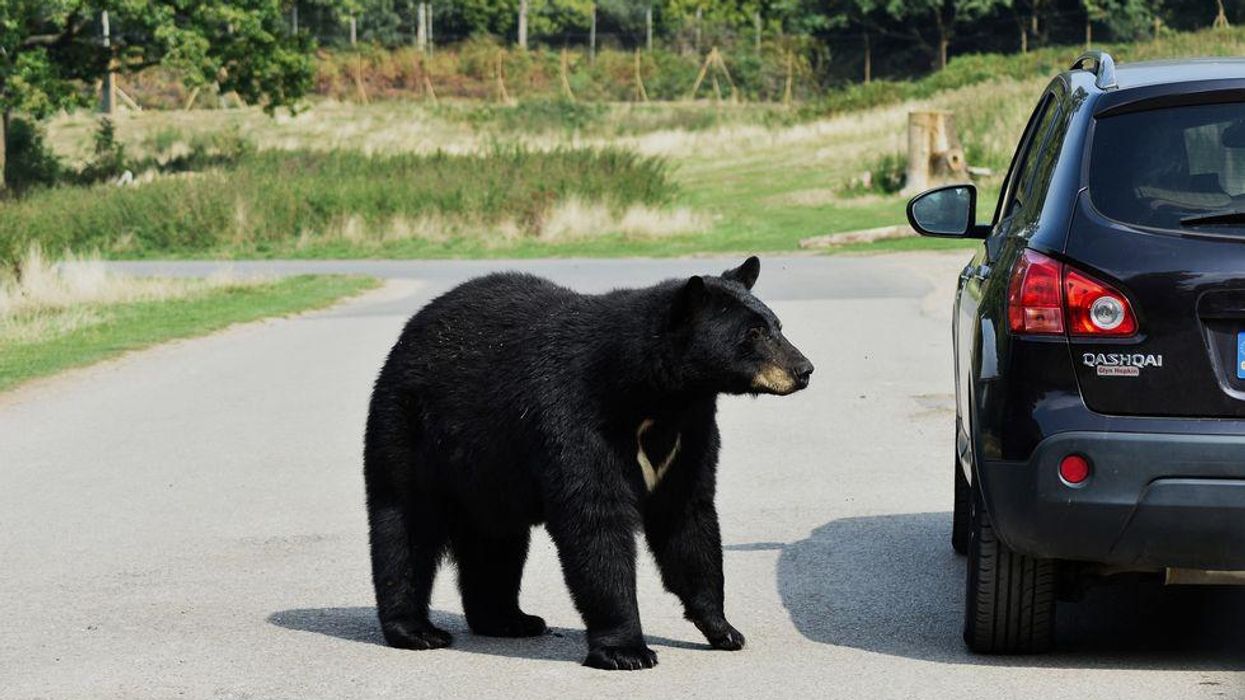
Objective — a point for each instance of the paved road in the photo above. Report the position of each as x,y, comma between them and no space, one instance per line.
188,522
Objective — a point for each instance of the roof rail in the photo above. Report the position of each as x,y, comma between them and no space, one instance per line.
1104,68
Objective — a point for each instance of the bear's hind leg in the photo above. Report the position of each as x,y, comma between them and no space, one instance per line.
489,574
406,532
403,569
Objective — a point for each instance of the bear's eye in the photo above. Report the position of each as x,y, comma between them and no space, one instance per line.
757,332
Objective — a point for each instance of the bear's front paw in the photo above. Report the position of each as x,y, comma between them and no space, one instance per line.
521,625
729,639
621,658
403,635
722,635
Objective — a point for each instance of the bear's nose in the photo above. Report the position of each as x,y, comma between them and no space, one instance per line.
802,372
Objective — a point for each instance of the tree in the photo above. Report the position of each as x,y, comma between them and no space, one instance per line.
1127,19
51,53
856,16
945,16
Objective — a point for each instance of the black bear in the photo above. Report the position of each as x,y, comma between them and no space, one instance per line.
510,401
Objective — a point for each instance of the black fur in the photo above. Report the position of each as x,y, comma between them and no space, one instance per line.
511,401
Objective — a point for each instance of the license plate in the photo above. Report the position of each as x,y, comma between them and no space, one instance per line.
1240,355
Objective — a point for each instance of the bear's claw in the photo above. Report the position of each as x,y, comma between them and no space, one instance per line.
729,639
522,625
621,658
722,635
401,635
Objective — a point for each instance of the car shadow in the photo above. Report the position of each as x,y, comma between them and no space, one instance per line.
891,584
358,624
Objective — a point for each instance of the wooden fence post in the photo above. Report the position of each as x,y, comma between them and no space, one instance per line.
786,93
108,92
566,81
1221,19
641,95
427,81
502,95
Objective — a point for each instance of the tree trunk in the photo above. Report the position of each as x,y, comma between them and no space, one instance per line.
1089,33
1024,39
523,24
4,149
943,40
421,28
935,155
868,60
648,29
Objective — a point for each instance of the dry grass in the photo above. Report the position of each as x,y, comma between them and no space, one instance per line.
52,299
576,219
569,220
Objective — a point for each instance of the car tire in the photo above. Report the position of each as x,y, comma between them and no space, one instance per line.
1010,601
962,513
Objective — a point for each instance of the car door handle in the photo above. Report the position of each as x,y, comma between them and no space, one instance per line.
981,272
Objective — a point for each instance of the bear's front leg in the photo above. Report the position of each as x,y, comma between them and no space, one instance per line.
592,518
683,533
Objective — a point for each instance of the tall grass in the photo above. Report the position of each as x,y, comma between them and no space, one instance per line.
274,200
53,299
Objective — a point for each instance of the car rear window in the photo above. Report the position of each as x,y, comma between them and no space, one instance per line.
1171,168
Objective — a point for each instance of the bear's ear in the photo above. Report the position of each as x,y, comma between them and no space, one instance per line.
689,298
745,274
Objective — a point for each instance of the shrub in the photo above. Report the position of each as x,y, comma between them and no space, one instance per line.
29,161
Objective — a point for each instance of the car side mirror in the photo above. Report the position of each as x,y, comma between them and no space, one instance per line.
946,212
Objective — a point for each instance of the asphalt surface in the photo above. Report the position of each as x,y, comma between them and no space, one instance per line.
188,521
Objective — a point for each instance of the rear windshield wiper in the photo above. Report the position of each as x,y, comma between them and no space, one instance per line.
1223,218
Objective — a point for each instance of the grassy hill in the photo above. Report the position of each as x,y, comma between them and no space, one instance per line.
727,177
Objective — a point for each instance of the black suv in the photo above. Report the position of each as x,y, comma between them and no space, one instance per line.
1100,345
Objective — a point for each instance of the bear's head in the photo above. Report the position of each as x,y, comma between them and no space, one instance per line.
730,342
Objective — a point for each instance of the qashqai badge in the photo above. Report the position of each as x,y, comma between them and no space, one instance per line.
1116,364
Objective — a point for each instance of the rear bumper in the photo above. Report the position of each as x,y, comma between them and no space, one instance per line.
1152,501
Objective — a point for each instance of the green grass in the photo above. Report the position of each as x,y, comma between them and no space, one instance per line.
764,176
278,203
133,326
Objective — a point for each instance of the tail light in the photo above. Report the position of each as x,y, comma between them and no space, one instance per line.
1047,297
1035,298
1095,308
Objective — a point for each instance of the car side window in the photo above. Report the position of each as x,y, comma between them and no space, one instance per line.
1003,209
1046,154
1022,192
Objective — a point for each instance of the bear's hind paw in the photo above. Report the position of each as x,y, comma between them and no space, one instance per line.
621,658
521,625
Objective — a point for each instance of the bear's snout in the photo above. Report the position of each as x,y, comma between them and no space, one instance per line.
802,373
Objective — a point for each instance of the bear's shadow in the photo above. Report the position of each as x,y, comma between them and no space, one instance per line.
891,584
358,624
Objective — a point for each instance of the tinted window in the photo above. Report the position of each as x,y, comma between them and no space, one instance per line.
1165,168
1020,193
1013,170
1042,165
